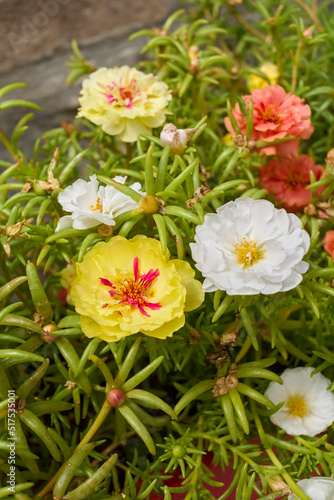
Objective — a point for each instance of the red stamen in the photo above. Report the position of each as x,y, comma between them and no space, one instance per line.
133,291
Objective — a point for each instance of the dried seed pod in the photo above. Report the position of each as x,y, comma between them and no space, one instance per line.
105,230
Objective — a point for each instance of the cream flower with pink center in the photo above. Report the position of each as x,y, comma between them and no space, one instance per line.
124,101
250,247
276,115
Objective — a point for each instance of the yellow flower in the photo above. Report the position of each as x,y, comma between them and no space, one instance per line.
124,101
128,286
271,72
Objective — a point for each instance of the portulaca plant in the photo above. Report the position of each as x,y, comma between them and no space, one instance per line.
167,269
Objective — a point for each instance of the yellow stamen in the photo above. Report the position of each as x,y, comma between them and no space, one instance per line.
297,406
98,205
247,252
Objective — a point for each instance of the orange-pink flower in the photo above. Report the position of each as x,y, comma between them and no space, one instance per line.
329,243
287,181
276,116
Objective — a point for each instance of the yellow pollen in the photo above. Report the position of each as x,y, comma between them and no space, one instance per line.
247,252
270,115
98,205
297,406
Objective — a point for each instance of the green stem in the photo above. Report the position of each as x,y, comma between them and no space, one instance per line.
7,144
94,428
295,67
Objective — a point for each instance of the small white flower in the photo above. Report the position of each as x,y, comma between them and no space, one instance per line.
308,404
317,488
249,247
91,204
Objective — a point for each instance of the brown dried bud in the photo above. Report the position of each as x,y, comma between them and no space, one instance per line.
177,138
190,203
68,127
195,337
217,357
310,209
330,158
204,173
276,483
233,368
220,387
115,397
239,140
200,192
231,381
230,339
149,204
105,230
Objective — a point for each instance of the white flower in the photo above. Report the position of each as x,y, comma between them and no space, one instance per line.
317,488
91,204
308,404
249,247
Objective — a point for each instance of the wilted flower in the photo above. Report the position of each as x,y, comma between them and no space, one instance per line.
91,204
287,180
317,488
308,404
329,243
137,290
177,138
271,72
276,116
249,247
124,101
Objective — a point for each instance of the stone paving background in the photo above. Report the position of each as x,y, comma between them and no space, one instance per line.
35,42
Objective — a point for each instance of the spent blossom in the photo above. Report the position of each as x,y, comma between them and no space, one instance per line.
308,404
91,204
250,247
276,115
287,180
124,101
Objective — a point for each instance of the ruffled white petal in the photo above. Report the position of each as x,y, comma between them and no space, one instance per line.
90,204
297,382
317,488
278,237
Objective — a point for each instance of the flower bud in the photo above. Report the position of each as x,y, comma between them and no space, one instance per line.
49,328
115,397
105,230
178,451
177,138
149,204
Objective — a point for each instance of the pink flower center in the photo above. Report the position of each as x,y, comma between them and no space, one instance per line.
123,96
269,114
134,292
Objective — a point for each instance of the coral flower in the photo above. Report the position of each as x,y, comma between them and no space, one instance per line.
270,70
329,243
287,181
250,247
129,286
308,404
124,101
276,116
